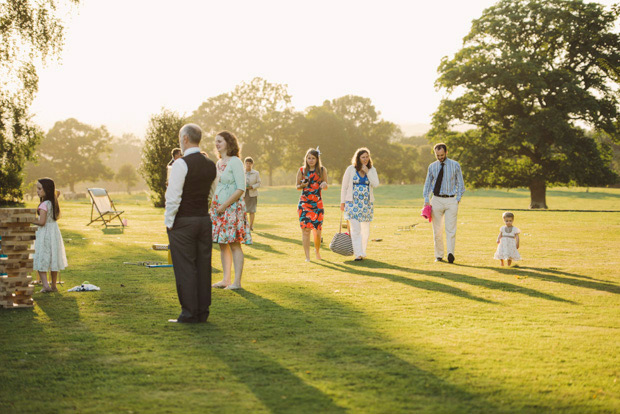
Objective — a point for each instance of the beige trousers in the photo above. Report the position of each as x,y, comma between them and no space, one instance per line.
444,209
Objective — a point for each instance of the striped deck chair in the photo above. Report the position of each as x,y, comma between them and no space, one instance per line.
106,211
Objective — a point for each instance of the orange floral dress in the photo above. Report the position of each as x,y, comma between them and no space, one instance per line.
310,207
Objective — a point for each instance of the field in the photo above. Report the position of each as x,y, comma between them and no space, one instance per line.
392,334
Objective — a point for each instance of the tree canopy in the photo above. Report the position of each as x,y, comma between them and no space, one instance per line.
258,112
73,152
162,136
30,31
529,75
277,136
339,127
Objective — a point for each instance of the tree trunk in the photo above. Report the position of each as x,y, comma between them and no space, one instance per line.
72,187
538,194
270,176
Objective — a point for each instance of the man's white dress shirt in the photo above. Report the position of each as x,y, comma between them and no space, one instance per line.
176,181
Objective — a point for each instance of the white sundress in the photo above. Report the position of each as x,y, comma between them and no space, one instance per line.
507,248
49,249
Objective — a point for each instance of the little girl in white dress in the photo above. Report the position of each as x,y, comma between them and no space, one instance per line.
49,249
508,240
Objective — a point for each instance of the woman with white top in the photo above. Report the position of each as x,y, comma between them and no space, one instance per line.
357,199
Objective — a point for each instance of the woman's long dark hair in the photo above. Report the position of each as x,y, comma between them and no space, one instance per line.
49,188
358,162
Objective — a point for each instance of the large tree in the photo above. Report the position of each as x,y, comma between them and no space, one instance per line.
322,127
29,31
530,73
367,129
162,136
72,152
259,113
342,125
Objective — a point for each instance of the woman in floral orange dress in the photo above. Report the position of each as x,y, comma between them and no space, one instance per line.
230,227
311,179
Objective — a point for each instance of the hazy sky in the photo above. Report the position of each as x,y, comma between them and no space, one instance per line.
126,59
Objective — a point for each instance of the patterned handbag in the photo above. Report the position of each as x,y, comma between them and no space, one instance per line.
341,243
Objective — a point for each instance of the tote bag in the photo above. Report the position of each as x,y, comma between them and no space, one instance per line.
341,243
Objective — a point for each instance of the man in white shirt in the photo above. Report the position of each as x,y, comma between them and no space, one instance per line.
189,226
444,180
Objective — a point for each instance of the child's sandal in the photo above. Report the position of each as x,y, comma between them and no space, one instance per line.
46,290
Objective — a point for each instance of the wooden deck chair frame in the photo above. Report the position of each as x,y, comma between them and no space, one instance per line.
106,211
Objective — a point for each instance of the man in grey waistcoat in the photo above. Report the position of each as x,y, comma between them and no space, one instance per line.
189,226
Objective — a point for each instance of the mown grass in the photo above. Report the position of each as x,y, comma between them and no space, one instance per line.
394,333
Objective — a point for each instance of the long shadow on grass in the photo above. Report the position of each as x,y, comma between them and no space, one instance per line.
280,238
55,353
558,272
275,352
276,386
542,275
192,348
264,248
341,350
459,278
489,284
419,284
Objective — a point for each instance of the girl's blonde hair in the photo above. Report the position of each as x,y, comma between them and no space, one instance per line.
508,214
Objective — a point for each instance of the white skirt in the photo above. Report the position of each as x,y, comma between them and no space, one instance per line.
49,249
507,249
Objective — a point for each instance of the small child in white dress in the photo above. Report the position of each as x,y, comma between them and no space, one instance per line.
508,240
49,249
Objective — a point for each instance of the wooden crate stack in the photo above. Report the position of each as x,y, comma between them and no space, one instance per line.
16,246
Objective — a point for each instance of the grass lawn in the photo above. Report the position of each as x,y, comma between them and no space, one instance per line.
394,333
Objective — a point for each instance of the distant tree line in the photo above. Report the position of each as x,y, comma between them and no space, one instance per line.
259,112
73,152
277,137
